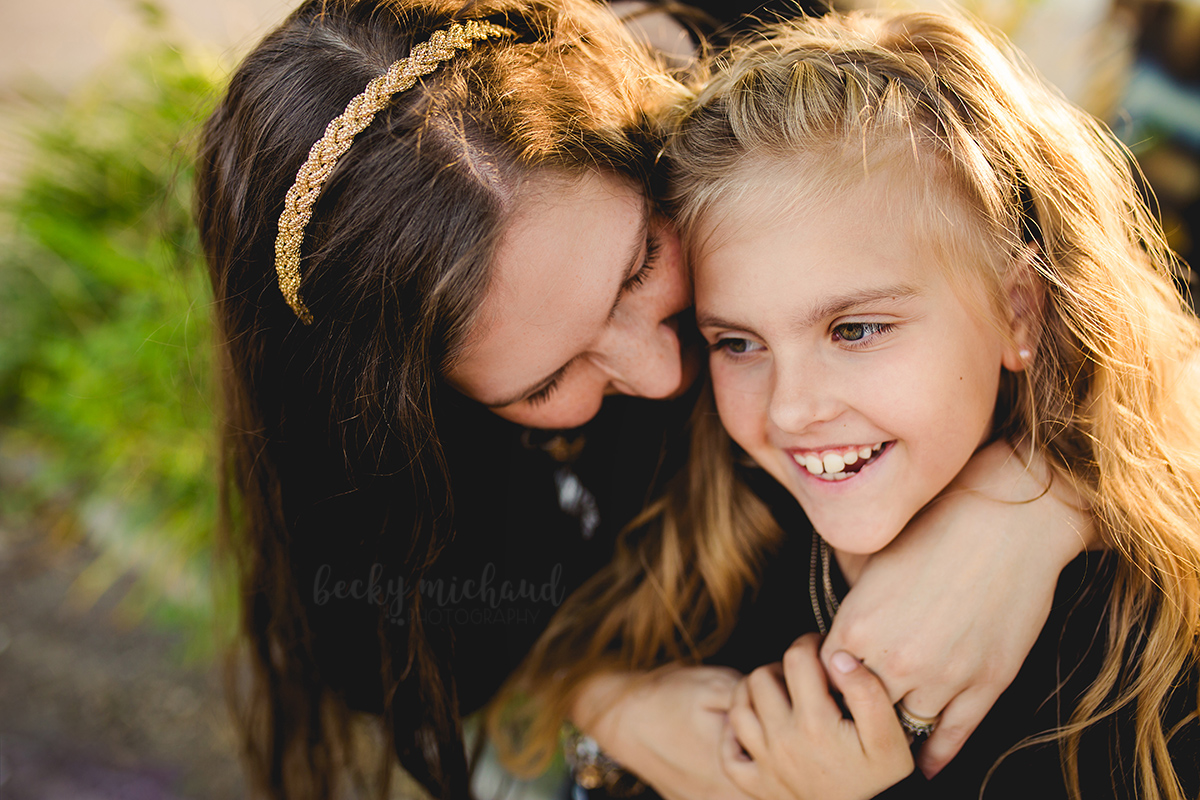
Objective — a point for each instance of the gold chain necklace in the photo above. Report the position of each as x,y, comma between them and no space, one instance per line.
822,555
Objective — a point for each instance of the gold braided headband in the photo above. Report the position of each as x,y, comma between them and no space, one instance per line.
339,135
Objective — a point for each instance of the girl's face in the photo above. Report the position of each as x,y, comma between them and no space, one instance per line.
585,289
843,359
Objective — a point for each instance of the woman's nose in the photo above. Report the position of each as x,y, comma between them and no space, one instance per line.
643,361
640,350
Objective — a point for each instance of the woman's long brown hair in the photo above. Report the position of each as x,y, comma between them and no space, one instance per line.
331,456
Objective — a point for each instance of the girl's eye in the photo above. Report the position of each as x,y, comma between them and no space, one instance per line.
859,331
736,347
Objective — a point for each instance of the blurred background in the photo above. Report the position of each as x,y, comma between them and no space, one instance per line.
110,618
111,614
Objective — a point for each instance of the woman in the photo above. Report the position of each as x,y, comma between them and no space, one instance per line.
471,253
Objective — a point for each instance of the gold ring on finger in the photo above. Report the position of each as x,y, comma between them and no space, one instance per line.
915,724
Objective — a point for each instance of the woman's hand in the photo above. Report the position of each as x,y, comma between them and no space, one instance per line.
790,742
665,726
946,614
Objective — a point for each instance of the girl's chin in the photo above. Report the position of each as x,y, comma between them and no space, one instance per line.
856,540
854,555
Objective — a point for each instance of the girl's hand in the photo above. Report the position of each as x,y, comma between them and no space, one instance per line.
790,742
946,614
665,726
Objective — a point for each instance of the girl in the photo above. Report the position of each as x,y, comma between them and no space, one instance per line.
905,248
429,232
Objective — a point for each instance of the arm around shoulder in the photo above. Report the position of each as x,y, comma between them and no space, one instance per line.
946,614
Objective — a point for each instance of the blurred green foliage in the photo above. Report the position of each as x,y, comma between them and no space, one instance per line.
106,388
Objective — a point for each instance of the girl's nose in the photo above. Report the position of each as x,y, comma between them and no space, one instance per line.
802,396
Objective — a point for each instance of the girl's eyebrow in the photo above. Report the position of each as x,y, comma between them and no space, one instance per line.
835,306
830,307
706,320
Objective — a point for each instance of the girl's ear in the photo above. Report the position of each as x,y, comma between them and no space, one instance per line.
1026,296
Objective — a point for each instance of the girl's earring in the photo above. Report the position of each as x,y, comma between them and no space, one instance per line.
1026,356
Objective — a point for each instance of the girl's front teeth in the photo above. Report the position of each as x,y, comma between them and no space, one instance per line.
832,466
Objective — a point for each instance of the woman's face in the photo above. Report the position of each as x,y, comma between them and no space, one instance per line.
585,288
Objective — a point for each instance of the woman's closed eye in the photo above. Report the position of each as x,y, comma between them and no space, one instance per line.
860,334
543,394
653,246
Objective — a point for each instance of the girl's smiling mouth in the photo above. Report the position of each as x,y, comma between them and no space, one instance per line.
839,463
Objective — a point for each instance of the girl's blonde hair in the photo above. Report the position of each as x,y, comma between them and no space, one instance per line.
1110,400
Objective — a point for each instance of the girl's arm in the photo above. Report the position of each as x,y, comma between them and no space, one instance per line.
947,613
666,726
789,738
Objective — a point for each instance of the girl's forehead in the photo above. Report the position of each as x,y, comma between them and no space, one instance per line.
909,195
804,185
912,169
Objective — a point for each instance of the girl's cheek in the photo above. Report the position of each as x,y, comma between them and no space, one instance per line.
739,390
747,374
723,379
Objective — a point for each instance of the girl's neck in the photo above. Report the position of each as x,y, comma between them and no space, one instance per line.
851,565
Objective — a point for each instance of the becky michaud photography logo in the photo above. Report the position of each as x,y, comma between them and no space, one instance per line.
485,600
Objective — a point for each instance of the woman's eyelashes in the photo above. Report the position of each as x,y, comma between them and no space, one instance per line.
543,394
653,246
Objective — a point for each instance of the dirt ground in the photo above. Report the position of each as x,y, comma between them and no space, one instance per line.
91,709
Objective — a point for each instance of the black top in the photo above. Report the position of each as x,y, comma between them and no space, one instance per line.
527,510
1070,649
529,529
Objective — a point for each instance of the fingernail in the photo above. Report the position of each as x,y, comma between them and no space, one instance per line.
844,662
